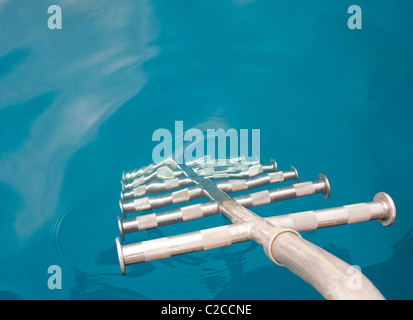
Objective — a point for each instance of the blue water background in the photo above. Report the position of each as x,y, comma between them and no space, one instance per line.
79,105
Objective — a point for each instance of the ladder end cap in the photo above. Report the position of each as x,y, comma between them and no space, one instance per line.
327,192
388,201
120,256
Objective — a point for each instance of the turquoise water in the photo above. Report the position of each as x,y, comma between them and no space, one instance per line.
80,104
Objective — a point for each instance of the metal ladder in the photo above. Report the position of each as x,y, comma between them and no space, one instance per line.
167,183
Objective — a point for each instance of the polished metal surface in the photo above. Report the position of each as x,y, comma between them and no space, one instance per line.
168,183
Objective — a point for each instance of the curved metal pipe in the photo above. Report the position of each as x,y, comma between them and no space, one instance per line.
328,274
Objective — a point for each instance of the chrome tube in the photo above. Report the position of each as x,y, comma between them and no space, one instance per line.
328,274
155,186
236,185
158,201
382,208
184,243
